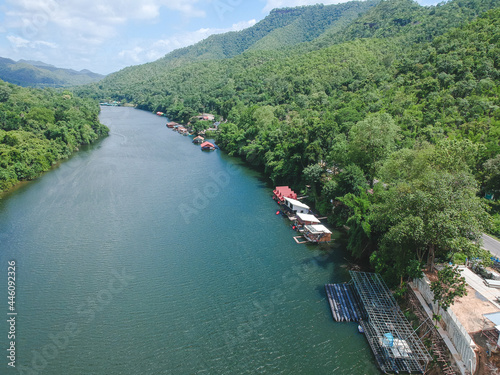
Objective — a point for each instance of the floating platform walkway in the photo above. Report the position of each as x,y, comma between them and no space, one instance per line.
396,346
394,343
344,303
300,240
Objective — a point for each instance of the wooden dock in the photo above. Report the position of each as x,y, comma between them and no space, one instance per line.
297,239
344,303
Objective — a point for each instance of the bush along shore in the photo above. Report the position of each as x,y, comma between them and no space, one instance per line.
38,128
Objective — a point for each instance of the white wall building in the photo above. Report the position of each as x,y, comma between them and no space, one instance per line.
296,206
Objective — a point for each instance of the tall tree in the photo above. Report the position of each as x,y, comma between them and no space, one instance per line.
359,234
449,286
445,214
372,140
492,171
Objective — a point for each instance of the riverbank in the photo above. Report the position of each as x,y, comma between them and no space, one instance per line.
20,184
222,288
41,128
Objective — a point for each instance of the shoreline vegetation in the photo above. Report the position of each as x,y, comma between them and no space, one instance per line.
39,128
390,119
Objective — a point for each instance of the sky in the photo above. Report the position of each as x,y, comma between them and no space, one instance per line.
106,36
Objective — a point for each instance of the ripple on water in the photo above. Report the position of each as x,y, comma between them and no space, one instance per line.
207,284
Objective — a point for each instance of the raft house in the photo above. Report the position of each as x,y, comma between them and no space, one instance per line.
299,213
198,139
182,130
171,124
317,233
305,219
295,206
368,300
207,146
282,192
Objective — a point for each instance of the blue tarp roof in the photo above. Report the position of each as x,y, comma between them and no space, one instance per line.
494,317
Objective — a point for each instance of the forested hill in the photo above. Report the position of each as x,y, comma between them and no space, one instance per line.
205,76
39,74
392,120
407,19
282,27
40,127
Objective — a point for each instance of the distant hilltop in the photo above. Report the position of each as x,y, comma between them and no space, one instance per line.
39,74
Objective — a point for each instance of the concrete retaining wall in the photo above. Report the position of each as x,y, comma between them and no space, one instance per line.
458,335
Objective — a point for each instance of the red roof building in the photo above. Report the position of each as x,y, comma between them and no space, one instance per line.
207,146
282,192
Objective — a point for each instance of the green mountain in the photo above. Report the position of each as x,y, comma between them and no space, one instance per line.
201,77
282,27
38,74
401,94
398,57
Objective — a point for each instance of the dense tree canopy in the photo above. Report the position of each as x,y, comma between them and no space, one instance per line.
40,127
392,118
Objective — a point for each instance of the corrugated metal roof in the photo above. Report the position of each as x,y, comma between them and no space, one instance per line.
297,203
318,228
308,217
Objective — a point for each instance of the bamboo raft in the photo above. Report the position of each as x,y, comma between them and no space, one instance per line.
344,303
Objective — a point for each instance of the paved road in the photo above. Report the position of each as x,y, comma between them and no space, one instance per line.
492,245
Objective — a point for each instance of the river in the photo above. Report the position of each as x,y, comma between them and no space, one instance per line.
143,255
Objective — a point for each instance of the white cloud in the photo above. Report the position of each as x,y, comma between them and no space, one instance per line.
18,42
43,43
85,21
134,55
69,31
271,4
159,48
243,25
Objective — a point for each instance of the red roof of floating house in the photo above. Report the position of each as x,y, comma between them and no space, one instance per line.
282,192
207,145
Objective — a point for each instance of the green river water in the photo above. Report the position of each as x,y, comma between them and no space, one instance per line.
143,255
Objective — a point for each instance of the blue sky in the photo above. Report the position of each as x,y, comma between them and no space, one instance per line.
105,36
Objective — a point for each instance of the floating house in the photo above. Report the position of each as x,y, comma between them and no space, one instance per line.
317,233
198,139
307,219
171,124
296,206
207,146
182,130
282,192
160,113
